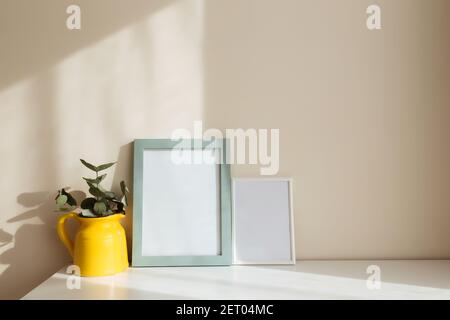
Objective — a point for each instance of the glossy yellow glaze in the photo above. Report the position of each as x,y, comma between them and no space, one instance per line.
100,246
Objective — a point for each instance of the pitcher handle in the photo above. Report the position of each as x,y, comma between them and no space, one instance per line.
62,231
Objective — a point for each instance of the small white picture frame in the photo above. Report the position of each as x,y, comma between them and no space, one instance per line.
263,221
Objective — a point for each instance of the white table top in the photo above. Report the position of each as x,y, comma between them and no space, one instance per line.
305,280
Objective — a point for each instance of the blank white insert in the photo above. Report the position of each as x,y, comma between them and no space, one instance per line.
181,205
262,223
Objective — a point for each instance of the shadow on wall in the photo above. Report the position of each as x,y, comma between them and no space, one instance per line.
35,254
34,40
5,238
34,34
124,171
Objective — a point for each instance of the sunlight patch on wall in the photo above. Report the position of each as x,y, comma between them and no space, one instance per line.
143,81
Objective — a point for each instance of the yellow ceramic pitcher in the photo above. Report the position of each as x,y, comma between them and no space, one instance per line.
100,246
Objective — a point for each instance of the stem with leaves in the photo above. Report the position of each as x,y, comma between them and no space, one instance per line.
103,202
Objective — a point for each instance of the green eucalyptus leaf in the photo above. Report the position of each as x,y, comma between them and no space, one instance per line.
90,166
61,200
106,202
91,185
100,208
96,186
124,201
125,192
119,207
89,180
124,187
87,213
70,199
110,195
105,166
96,180
88,203
96,192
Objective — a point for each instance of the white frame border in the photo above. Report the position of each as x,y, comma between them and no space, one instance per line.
290,182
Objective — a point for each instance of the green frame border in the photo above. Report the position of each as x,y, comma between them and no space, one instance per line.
225,258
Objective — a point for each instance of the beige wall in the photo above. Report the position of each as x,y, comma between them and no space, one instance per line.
364,116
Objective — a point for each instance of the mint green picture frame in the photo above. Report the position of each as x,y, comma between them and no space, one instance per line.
225,256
